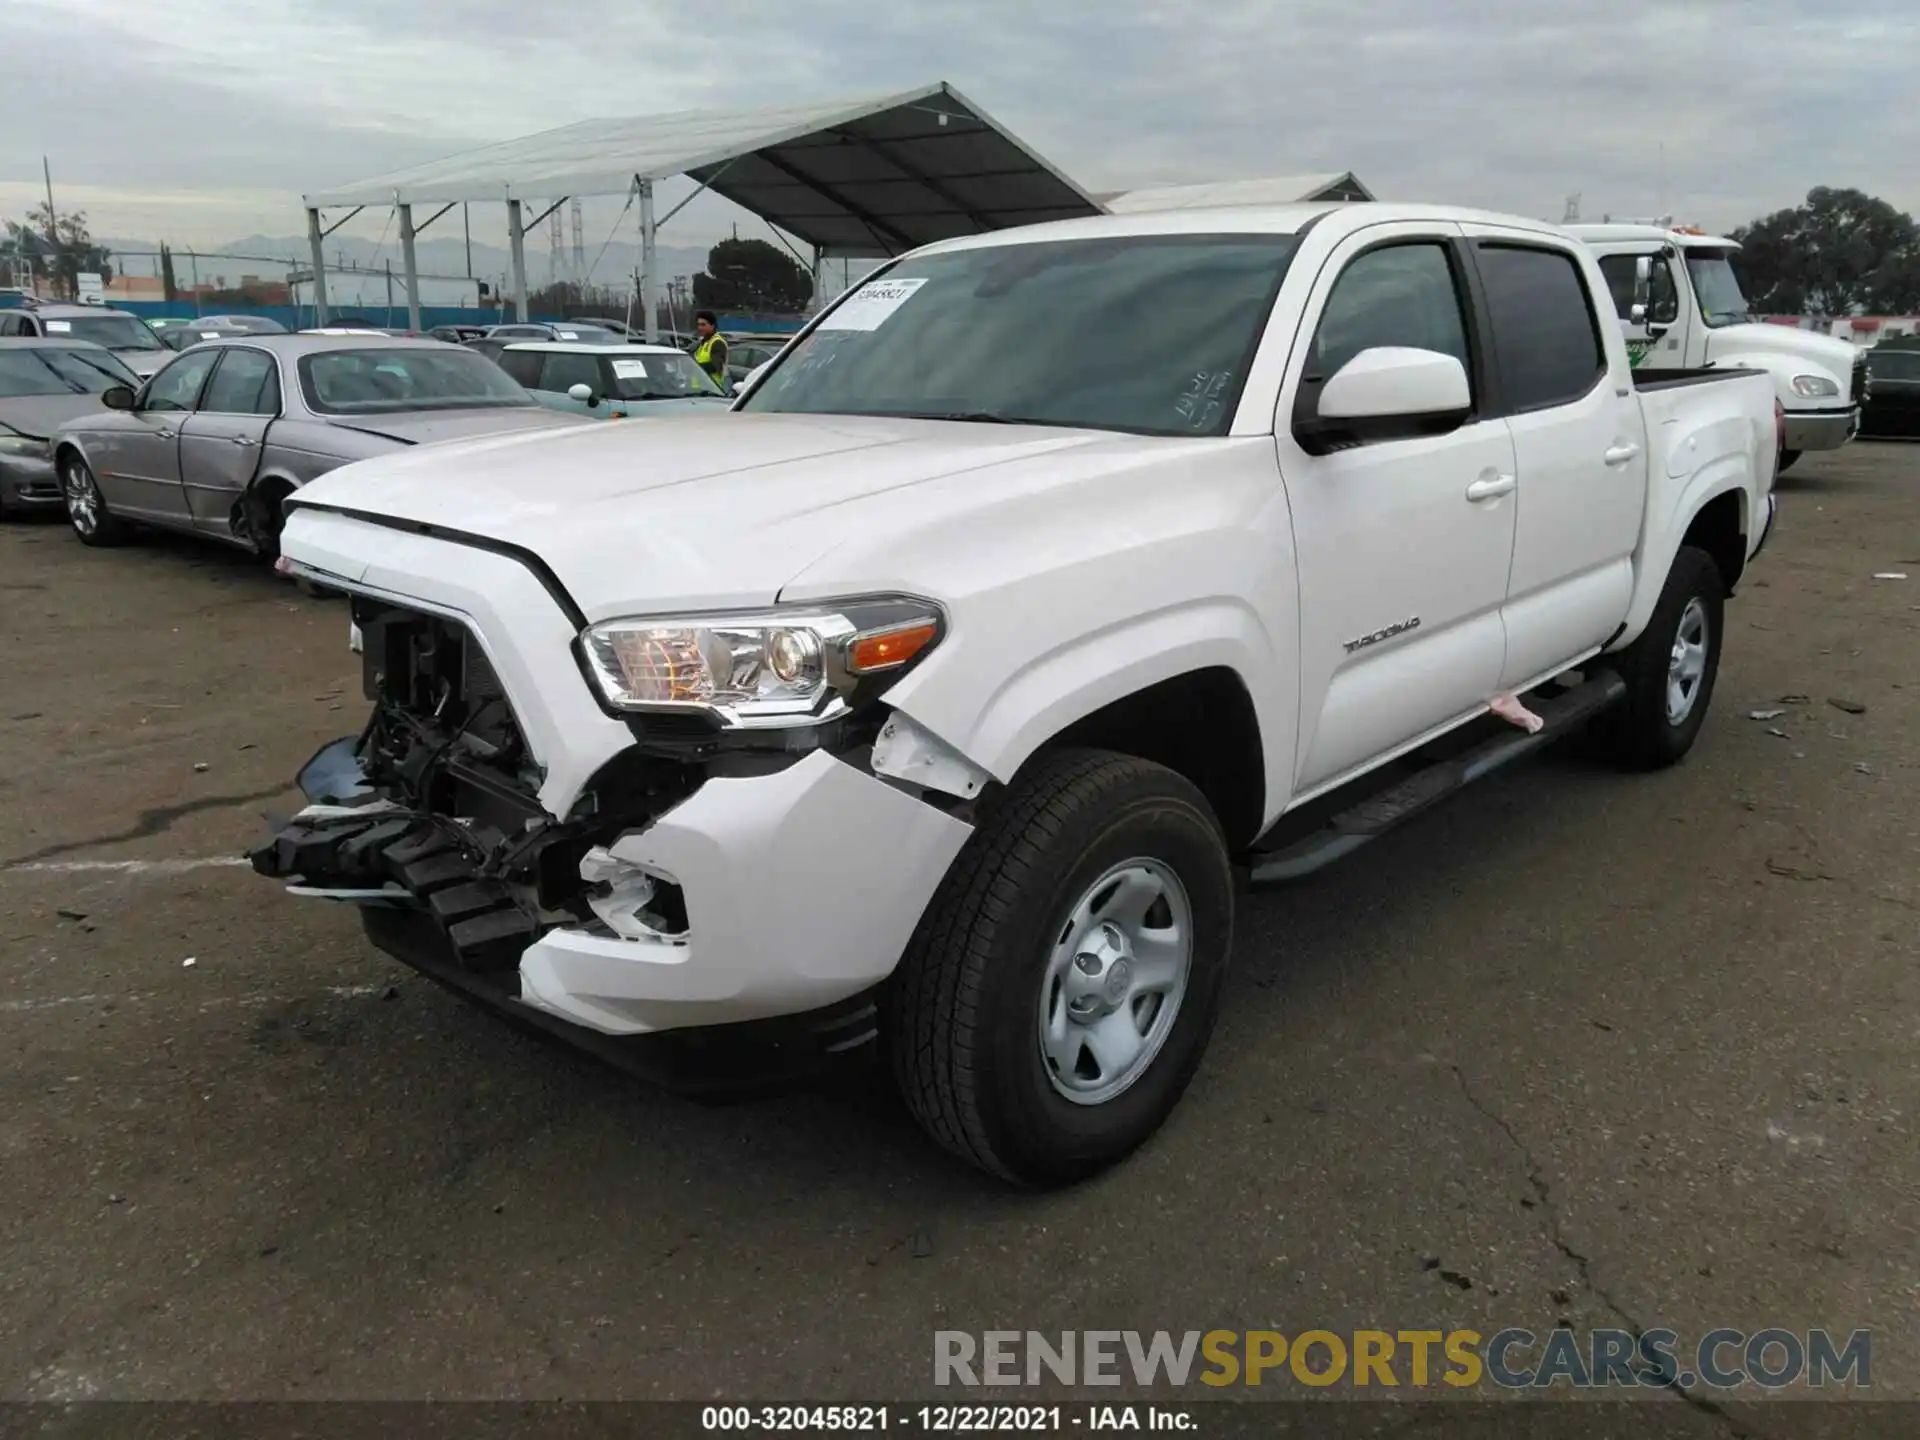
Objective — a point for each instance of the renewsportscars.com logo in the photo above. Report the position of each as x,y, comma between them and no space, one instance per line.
1513,1359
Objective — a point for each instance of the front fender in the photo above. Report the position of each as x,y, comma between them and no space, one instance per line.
1030,705
1782,368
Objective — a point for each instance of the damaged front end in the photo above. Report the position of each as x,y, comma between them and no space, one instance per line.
434,809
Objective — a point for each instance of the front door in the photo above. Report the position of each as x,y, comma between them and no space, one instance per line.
1403,545
220,443
138,463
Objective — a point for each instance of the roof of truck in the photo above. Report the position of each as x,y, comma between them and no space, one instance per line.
1671,235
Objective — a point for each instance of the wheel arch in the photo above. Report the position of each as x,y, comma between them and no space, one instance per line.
1713,512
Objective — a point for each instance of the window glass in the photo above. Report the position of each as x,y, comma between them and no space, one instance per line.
1544,335
1894,364
522,365
178,385
659,377
1663,301
1401,295
391,379
245,384
560,373
56,370
1146,334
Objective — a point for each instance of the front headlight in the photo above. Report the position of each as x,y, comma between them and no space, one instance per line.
1814,387
767,668
25,447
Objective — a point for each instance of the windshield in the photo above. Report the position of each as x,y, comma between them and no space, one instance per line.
1150,335
54,371
116,332
659,377
379,382
1716,288
1894,364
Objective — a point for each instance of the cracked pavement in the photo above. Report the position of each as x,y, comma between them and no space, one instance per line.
1574,1048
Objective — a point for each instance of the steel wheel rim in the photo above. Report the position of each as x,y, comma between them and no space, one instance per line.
1687,662
1116,975
83,499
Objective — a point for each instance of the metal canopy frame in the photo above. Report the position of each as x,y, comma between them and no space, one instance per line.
857,179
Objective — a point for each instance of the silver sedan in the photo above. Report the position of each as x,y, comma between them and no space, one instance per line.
216,441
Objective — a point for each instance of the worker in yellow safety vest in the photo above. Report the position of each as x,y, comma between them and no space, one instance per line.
711,353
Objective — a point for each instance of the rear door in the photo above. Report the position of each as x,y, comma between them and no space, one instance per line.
220,443
1579,447
1404,544
138,464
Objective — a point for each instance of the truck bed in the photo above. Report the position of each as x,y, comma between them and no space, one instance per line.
1653,379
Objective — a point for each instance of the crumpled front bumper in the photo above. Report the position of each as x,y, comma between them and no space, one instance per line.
801,887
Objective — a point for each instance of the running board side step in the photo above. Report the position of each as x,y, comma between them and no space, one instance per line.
1348,830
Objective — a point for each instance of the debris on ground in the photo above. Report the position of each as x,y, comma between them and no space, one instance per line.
1852,707
921,1245
1890,575
200,767
71,914
189,962
1765,714
1796,699
1778,733
1861,767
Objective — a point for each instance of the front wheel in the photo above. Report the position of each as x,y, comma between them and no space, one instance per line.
86,508
1670,669
1061,988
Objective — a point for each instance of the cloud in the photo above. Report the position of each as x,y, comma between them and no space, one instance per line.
1715,109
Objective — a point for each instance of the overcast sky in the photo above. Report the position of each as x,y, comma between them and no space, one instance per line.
202,120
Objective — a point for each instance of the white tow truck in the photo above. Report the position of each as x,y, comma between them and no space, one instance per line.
1694,315
1050,585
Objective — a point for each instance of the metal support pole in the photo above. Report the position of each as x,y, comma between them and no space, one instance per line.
517,243
411,266
650,321
815,304
319,269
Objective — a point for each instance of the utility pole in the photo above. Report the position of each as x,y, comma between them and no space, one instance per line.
53,231
466,224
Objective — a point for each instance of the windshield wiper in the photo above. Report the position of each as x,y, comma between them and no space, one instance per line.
971,417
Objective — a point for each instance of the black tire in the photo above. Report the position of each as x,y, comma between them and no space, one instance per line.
1639,732
95,525
961,1015
265,517
1787,457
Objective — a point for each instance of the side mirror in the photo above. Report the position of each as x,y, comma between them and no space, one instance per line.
1389,392
1642,290
117,397
584,394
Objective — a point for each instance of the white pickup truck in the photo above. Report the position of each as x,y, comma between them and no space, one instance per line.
1693,315
1050,584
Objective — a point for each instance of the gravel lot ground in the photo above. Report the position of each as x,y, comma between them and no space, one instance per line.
1577,1046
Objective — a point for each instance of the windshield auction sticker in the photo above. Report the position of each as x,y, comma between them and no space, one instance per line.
871,305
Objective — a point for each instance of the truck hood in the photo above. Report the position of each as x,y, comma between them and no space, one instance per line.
710,512
424,427
1785,352
37,416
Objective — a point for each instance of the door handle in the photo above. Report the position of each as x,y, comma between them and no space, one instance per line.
241,440
1621,454
1493,487
163,434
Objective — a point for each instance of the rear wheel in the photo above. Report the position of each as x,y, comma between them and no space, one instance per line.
86,508
1060,990
1670,669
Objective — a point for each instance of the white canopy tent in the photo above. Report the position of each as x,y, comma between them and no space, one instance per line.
859,178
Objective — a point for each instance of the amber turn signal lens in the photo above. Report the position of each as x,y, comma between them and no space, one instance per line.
888,649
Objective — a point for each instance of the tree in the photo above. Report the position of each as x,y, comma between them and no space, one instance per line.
754,276
62,246
168,285
1842,252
